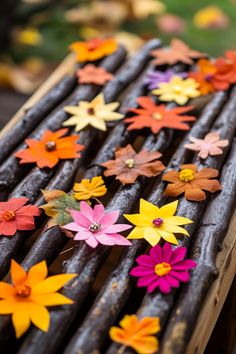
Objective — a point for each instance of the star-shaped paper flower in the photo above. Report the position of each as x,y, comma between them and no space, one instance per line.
191,182
29,295
153,223
211,145
93,49
156,117
178,90
15,215
155,78
204,75
50,149
137,334
163,268
94,226
94,113
88,189
128,164
91,74
177,52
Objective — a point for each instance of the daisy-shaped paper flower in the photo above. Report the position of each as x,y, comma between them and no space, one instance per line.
163,268
93,49
87,188
50,149
177,52
128,164
94,226
91,74
137,334
178,90
204,75
94,113
29,295
211,145
153,223
155,78
15,215
191,182
157,117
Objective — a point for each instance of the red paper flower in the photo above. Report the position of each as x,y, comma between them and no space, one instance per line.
205,76
226,71
15,215
91,74
157,117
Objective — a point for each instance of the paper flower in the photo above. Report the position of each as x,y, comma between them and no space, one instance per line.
94,226
93,49
191,182
178,90
137,333
29,295
170,24
157,117
58,205
15,215
94,113
128,164
154,78
211,17
204,76
91,74
153,223
163,268
50,149
226,71
177,52
87,188
210,145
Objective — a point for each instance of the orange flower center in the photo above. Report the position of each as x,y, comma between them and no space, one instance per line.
9,215
23,291
157,116
91,111
162,269
50,146
129,163
186,175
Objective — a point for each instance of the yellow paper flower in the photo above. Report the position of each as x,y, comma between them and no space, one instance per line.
94,113
178,90
211,17
153,223
29,36
29,294
87,189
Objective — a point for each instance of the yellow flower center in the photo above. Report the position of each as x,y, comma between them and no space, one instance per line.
91,111
157,116
129,163
23,291
9,215
177,88
50,146
162,269
186,175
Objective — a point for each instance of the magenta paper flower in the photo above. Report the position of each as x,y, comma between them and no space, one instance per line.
94,226
154,78
210,145
163,268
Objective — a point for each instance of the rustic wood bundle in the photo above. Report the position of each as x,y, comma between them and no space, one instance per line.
103,291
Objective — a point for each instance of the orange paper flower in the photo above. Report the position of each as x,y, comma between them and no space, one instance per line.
226,71
91,74
157,117
93,49
128,164
50,149
137,334
29,294
88,189
204,75
191,182
177,52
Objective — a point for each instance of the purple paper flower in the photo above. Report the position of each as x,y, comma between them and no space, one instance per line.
154,78
163,268
94,226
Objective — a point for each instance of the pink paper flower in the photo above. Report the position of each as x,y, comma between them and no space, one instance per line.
163,268
210,145
94,226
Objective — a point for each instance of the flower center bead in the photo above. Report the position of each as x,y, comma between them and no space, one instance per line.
9,215
158,222
157,116
91,111
23,291
186,175
129,163
208,77
162,269
94,227
50,146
